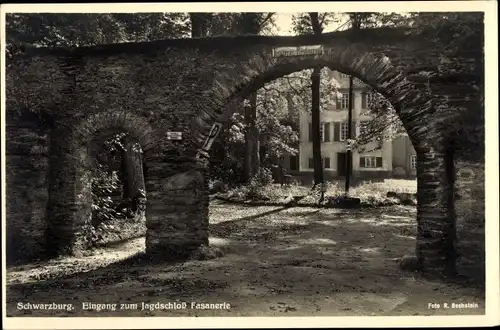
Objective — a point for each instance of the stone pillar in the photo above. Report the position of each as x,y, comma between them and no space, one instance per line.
27,165
177,214
70,200
436,236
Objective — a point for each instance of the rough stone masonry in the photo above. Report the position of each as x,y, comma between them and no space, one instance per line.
188,86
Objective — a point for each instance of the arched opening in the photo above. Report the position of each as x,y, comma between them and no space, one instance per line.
412,102
118,189
89,193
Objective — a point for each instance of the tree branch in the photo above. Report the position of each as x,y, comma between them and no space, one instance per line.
322,20
266,19
316,26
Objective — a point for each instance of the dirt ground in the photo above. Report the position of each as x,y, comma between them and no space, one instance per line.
277,262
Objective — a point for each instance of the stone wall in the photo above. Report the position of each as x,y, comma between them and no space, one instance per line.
177,215
187,86
470,215
27,165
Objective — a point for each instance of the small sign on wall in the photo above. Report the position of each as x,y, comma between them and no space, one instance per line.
214,131
174,135
298,51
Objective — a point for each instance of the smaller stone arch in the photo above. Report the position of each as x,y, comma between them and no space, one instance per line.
69,206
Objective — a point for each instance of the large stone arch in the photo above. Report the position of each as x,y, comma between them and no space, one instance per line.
69,206
410,96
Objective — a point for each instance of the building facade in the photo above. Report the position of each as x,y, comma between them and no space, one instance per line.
378,161
404,157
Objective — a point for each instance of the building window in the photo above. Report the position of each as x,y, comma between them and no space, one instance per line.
370,162
413,162
369,99
344,101
343,131
324,131
344,76
326,162
311,163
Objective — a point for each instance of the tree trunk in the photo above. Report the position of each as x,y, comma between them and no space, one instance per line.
436,212
199,24
349,137
315,109
316,134
134,186
263,151
251,162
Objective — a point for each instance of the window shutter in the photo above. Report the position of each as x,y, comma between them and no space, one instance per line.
327,162
363,100
353,129
362,162
338,96
310,132
326,129
379,161
336,131
311,163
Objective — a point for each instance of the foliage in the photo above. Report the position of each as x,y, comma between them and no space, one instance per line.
384,126
370,193
227,163
226,24
364,20
278,105
103,186
85,29
261,179
295,88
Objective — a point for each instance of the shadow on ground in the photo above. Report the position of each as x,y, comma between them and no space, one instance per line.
277,261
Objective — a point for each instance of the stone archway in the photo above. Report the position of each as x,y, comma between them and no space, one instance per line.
69,206
413,103
188,86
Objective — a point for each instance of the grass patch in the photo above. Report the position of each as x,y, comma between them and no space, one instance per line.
370,193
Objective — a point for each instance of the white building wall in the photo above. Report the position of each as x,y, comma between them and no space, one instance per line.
330,149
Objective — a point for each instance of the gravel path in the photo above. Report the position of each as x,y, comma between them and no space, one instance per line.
277,262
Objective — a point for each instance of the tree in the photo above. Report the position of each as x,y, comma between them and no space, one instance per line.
209,24
199,24
252,24
79,29
385,124
141,27
313,23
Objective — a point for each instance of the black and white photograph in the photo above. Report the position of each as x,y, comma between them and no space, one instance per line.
218,160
